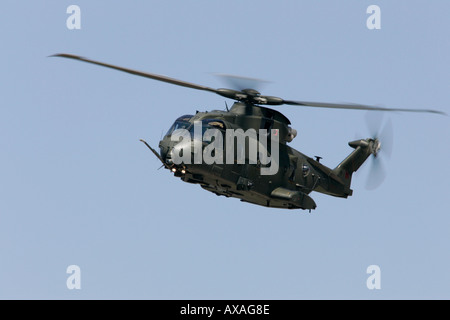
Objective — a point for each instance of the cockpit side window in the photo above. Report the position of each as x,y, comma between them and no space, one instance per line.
209,124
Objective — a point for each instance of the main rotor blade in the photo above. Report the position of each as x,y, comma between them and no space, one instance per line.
355,107
239,95
138,73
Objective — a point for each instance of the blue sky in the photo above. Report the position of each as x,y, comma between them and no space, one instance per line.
78,188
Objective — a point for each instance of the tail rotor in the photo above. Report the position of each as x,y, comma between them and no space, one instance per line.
380,144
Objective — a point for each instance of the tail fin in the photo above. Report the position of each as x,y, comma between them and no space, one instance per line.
363,149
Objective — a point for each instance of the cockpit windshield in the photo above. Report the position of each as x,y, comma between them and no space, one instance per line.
181,123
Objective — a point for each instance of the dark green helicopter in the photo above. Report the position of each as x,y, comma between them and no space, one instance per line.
296,174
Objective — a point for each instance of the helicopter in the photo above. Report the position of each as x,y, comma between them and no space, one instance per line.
244,175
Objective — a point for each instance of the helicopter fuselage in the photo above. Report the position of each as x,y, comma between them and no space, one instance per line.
297,175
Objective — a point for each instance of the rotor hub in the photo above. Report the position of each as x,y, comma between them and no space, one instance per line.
375,147
251,93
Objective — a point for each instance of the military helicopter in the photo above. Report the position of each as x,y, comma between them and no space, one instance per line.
297,174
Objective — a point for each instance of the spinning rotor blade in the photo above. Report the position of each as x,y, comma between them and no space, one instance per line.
377,174
352,106
373,122
387,138
384,140
248,95
241,83
138,73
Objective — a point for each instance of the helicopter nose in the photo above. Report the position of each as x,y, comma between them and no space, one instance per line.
165,146
177,153
167,150
163,150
